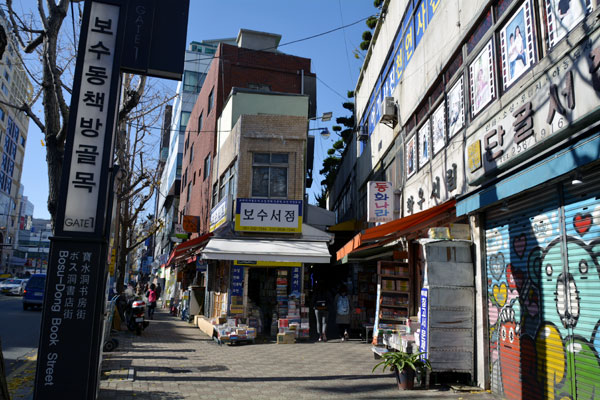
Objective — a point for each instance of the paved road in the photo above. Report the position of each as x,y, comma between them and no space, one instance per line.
19,330
175,360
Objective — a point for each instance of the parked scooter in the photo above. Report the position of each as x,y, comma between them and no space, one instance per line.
135,315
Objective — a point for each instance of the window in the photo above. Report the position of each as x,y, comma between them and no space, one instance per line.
6,76
206,167
208,50
215,194
4,89
189,190
228,183
200,123
192,81
185,117
2,114
22,141
210,101
269,175
192,153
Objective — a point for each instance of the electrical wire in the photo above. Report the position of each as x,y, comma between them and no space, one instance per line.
292,42
345,42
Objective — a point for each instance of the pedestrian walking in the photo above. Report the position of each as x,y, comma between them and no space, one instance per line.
342,312
321,307
151,301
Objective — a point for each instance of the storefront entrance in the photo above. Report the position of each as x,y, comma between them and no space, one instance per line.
543,277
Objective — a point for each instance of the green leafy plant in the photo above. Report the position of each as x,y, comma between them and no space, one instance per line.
399,360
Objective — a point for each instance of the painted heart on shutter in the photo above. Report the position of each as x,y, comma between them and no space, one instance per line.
500,293
582,223
496,265
520,244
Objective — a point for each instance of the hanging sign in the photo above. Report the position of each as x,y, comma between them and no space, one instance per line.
380,202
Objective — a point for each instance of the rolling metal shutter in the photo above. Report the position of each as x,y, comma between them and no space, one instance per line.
516,296
581,314
544,293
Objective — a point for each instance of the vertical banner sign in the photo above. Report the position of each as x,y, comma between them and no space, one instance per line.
424,322
71,329
380,205
296,283
236,305
92,123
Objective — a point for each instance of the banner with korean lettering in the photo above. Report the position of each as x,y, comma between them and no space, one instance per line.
266,215
296,281
236,304
93,122
380,202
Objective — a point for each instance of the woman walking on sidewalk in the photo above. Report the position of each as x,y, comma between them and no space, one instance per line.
151,301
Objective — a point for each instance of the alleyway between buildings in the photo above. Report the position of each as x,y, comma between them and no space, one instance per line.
175,360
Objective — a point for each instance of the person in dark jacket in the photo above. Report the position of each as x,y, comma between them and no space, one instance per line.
321,307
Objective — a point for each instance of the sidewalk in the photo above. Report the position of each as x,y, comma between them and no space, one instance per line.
175,360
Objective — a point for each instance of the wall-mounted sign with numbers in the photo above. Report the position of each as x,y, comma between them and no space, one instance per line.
544,113
380,202
266,215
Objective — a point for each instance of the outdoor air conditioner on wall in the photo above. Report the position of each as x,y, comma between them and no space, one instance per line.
362,134
388,110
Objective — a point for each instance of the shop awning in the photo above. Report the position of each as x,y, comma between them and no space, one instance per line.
392,229
183,250
267,250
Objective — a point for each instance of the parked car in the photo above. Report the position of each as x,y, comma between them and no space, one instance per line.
13,286
34,291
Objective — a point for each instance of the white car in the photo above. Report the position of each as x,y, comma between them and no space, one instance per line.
13,286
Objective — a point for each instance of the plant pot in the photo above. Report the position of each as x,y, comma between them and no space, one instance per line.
405,378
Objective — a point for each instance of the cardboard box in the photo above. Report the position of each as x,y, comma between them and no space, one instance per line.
439,233
286,338
460,231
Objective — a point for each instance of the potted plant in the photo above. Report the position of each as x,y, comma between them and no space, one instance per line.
405,366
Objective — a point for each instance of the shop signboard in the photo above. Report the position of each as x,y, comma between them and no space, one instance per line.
191,223
424,322
219,214
267,215
296,281
434,185
236,299
179,232
248,263
380,205
545,112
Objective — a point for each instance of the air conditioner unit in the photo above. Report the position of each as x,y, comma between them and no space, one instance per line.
362,134
388,110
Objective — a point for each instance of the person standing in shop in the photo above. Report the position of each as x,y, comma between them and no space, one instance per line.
320,305
342,312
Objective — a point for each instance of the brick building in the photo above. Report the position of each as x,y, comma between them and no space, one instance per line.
259,67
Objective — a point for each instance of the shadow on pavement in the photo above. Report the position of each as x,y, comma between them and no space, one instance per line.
111,394
240,379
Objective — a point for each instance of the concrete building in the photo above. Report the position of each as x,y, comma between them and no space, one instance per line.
15,87
198,57
483,122
34,245
259,67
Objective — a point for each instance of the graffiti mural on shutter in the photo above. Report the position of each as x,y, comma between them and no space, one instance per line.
544,316
580,317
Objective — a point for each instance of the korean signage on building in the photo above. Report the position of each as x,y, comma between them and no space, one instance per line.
93,123
236,305
219,215
380,202
296,281
424,322
266,215
542,114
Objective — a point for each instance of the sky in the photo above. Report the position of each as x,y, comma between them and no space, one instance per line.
332,55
